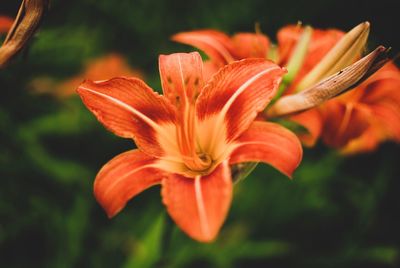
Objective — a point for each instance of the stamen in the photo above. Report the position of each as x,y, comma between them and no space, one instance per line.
193,160
186,137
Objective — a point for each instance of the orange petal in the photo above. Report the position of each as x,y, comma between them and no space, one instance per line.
381,93
367,142
380,90
237,93
387,115
250,45
199,206
181,77
312,120
287,38
209,69
384,84
344,122
217,45
129,108
5,24
122,178
385,125
269,143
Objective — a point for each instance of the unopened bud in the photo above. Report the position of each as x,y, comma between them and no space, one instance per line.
344,53
332,86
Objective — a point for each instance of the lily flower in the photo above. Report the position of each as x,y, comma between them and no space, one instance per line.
189,137
359,120
312,55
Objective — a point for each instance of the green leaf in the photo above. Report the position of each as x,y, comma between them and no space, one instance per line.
147,252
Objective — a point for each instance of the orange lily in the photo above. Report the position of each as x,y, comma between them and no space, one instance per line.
362,118
358,120
5,24
188,137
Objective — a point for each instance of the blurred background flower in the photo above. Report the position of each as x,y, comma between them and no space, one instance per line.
337,212
362,118
101,68
5,24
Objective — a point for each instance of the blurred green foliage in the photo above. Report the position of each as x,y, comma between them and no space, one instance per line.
337,212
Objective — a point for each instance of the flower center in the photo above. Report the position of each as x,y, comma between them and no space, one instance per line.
198,162
202,167
194,158
206,162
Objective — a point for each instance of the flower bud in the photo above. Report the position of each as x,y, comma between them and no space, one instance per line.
344,53
332,86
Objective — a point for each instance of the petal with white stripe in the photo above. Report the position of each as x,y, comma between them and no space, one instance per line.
199,206
123,177
231,100
217,45
269,143
129,108
181,77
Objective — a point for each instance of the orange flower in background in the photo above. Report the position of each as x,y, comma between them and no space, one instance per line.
188,138
223,49
344,122
362,118
358,120
5,24
98,69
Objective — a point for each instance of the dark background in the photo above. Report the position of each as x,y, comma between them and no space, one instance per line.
337,212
